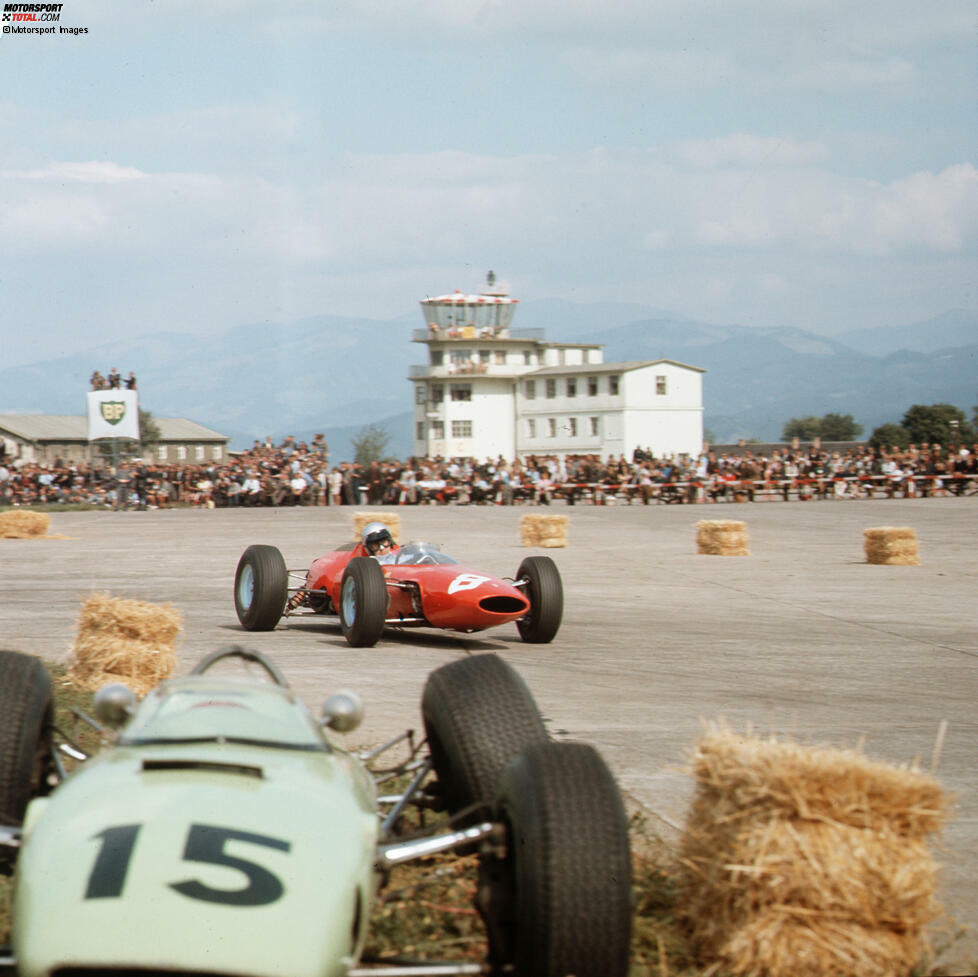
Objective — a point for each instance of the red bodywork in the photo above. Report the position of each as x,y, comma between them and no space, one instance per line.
449,596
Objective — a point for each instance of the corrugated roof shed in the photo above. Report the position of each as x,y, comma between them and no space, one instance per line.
67,427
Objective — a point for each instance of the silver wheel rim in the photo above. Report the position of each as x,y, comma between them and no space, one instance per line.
246,587
349,601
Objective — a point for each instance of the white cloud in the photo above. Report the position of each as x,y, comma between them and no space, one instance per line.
744,149
91,172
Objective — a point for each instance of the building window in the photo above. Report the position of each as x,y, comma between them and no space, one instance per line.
161,452
485,355
572,426
592,386
614,383
500,357
217,453
551,389
199,452
551,427
419,431
531,427
438,430
461,391
461,429
660,385
571,387
528,357
530,389
437,357
419,393
595,426
181,452
437,393
460,356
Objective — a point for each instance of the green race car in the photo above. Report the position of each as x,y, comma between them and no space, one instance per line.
222,830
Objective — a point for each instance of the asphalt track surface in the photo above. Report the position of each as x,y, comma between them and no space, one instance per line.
802,637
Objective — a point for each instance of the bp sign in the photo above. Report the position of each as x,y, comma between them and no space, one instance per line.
113,411
113,414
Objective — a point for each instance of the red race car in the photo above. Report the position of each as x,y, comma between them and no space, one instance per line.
415,585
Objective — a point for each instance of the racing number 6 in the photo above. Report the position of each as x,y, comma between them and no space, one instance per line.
205,843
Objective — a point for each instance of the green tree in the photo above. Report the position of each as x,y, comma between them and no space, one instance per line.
839,427
888,436
149,430
934,424
802,428
370,444
831,427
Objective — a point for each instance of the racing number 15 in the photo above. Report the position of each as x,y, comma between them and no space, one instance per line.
205,843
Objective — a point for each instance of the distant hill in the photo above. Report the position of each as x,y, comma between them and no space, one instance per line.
335,374
957,327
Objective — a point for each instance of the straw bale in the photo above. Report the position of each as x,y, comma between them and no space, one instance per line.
543,530
127,641
808,860
390,519
891,546
778,944
791,780
722,537
23,524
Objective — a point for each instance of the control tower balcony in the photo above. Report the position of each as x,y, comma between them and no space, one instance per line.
470,333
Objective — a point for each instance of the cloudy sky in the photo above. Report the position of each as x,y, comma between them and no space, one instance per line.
190,166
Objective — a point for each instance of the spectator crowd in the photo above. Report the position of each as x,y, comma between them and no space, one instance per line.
113,381
296,473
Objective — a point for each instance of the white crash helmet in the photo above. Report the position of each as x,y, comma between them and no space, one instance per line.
374,533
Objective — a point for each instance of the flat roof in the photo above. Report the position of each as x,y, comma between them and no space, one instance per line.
585,368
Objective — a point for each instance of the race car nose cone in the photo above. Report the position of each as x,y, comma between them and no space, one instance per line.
504,604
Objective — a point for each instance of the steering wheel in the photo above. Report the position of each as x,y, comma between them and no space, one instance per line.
247,654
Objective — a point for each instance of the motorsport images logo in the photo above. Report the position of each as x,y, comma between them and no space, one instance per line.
20,18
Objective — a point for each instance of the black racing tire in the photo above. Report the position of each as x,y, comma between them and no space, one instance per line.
261,588
478,714
26,705
545,592
558,901
363,602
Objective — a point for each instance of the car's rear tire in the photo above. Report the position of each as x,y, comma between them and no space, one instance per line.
25,737
363,602
545,591
478,714
261,587
559,901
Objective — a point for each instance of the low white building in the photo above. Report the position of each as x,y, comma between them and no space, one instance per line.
488,390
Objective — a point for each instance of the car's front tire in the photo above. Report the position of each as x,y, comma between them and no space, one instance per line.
261,587
25,736
363,602
545,591
559,901
478,714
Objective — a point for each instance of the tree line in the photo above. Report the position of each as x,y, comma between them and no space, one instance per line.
942,424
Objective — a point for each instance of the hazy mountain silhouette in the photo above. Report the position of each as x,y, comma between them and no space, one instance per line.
336,374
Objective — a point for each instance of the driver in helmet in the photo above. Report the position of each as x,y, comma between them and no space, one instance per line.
377,539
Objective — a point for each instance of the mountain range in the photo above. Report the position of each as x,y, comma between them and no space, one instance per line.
336,374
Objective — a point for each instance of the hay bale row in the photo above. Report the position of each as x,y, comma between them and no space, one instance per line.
809,862
127,641
547,531
23,524
390,519
891,546
722,537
